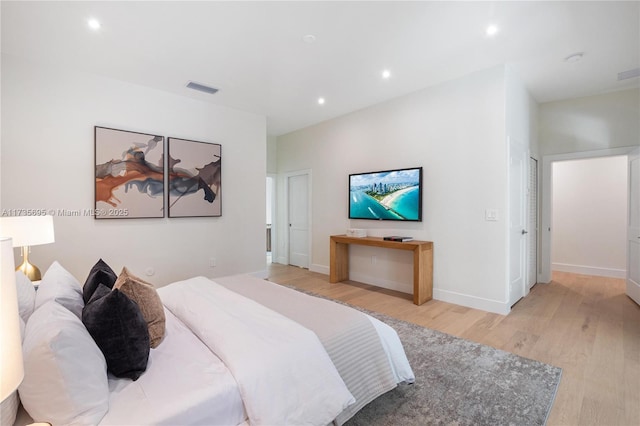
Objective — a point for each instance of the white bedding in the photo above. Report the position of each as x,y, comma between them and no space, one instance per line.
395,352
229,380
363,355
185,383
283,372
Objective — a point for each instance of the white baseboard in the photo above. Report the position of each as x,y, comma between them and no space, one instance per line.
494,306
378,282
321,269
589,270
367,279
474,302
633,291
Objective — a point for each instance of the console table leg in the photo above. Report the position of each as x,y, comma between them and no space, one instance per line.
422,275
338,262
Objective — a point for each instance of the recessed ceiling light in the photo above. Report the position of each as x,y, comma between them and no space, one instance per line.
492,30
309,38
321,101
94,24
386,74
574,57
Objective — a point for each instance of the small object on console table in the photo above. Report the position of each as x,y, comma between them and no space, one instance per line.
397,238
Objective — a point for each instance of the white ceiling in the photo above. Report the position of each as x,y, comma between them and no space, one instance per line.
255,54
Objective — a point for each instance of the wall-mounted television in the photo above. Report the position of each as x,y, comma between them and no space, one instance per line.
386,195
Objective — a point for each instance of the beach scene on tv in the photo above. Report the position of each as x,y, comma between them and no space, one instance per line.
391,195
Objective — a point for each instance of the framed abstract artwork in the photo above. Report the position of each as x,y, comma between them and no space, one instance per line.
129,174
194,170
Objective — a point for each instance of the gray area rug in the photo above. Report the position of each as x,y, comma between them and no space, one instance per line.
459,382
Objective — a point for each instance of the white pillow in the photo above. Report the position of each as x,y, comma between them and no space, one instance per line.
23,327
65,374
59,285
26,295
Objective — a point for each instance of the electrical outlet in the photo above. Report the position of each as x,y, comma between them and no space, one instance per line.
374,260
212,262
491,215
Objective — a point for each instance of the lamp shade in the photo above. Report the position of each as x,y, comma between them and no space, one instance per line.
11,367
28,230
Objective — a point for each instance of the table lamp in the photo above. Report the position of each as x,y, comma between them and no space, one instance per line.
28,231
11,367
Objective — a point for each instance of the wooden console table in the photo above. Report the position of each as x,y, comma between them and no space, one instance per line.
422,261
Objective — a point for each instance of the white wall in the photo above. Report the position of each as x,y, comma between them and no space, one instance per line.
457,132
521,114
610,120
589,216
588,127
48,116
272,154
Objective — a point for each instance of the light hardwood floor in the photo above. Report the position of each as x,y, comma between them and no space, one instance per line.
586,325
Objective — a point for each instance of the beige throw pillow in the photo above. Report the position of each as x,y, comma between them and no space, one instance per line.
146,296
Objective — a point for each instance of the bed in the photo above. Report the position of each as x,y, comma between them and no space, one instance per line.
236,351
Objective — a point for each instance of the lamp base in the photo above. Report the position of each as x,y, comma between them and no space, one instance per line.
31,271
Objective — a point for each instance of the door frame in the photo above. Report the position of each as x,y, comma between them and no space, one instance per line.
274,216
524,254
632,287
285,192
533,234
547,196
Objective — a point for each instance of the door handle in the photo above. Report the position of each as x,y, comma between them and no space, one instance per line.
524,232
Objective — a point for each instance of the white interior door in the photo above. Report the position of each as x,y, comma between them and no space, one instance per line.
532,276
517,221
633,228
299,220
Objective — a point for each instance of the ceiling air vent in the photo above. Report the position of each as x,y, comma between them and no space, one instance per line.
625,75
201,87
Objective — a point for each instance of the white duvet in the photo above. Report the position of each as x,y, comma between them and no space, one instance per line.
283,372
185,384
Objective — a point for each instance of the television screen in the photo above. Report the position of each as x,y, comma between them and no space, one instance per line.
386,195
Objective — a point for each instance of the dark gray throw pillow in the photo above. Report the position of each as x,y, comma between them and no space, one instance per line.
100,273
116,324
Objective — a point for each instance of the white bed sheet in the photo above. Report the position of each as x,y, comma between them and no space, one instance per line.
395,351
283,371
388,336
185,383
